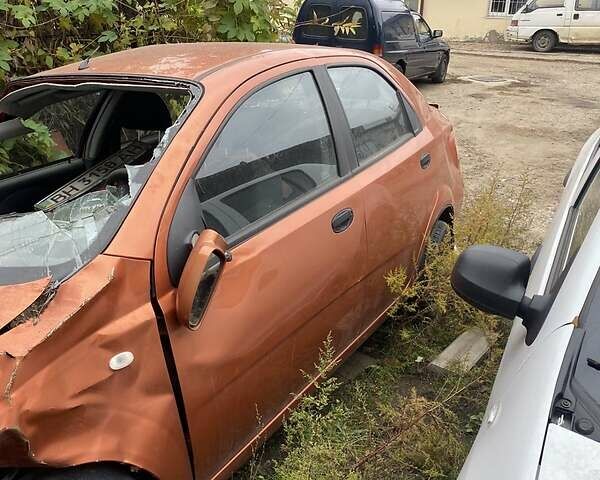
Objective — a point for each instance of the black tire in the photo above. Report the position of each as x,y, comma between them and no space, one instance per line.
544,41
440,74
438,235
400,66
439,232
99,471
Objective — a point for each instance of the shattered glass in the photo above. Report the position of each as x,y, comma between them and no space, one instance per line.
61,235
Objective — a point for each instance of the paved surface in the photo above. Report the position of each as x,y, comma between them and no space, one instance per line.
535,124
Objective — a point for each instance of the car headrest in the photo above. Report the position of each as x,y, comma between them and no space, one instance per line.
142,111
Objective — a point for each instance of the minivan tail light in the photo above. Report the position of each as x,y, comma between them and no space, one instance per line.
514,23
378,50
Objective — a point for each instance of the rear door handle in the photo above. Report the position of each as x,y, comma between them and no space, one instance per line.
342,220
575,16
559,14
425,160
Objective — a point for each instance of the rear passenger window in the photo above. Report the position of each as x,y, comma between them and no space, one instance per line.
274,150
376,115
398,27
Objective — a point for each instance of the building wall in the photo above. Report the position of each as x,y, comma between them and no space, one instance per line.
464,19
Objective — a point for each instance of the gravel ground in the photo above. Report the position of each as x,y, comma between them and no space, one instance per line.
535,124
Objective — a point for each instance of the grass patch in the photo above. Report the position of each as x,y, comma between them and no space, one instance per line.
396,420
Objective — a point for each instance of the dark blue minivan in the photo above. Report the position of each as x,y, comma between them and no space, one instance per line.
387,28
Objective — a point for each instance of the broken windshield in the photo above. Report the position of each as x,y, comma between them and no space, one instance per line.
71,161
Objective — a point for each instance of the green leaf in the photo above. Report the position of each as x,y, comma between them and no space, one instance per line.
107,36
238,7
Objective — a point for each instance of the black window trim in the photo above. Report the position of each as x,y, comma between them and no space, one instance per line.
417,128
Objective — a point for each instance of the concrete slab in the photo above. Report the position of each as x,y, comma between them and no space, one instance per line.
462,354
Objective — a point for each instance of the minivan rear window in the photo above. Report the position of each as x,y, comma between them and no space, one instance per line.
318,22
351,23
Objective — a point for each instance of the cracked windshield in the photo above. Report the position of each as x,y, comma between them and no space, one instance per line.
71,161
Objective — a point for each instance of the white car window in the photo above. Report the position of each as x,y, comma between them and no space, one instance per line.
583,214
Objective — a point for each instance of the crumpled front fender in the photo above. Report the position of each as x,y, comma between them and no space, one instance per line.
62,405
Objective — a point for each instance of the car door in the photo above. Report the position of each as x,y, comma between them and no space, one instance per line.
273,182
585,22
400,45
394,163
540,14
430,54
565,269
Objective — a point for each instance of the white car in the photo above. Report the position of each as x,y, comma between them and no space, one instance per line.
546,23
543,417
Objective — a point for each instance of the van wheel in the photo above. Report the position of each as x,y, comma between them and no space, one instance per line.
438,235
440,74
400,66
544,41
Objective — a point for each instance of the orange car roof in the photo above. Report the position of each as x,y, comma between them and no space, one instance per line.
188,61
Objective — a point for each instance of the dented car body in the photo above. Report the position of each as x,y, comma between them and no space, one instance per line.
181,227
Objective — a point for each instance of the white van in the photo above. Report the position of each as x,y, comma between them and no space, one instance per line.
546,23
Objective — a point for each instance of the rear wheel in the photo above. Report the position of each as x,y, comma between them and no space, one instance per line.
439,233
440,74
544,41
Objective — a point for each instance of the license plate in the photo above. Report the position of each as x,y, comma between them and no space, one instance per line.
93,177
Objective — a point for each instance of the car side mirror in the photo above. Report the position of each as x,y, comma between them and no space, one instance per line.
494,279
438,33
200,276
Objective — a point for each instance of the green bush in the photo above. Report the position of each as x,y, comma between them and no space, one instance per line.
41,34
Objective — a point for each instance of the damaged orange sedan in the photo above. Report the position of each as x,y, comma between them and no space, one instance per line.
181,227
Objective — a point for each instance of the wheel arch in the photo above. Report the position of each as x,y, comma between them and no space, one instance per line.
402,65
447,215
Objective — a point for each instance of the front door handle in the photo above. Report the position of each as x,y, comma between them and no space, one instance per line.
575,16
425,160
342,220
559,14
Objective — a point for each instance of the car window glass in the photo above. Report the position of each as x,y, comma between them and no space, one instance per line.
318,23
583,216
375,113
588,5
350,23
276,148
53,134
398,27
422,27
545,4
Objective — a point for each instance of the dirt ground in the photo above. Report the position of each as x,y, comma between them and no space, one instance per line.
536,124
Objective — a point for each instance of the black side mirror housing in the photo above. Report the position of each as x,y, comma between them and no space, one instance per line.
438,33
494,279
